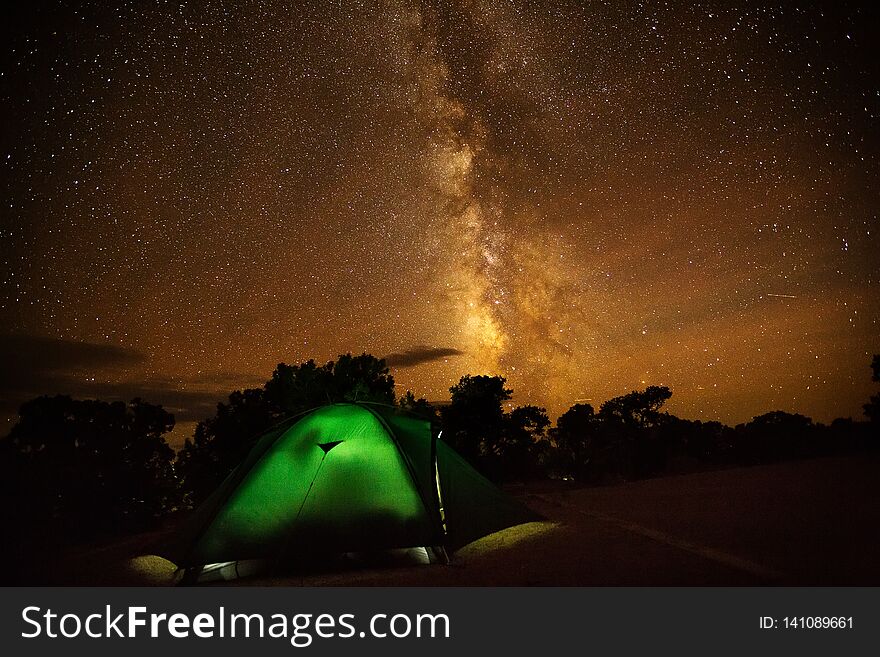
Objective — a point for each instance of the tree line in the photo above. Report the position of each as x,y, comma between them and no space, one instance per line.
82,467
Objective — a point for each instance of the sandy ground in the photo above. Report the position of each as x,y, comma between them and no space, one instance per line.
813,522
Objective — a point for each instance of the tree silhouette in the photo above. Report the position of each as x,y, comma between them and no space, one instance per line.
639,409
577,436
89,465
296,388
631,424
703,441
361,378
474,420
522,445
774,436
503,446
418,406
872,408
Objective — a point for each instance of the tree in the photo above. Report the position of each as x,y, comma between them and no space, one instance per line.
89,465
361,378
474,420
637,409
575,435
704,441
522,445
421,406
296,388
632,424
872,408
503,446
775,436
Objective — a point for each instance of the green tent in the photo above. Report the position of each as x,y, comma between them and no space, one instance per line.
344,478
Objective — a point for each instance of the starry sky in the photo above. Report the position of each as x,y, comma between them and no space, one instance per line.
585,197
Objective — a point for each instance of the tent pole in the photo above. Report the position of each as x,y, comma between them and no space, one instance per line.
283,549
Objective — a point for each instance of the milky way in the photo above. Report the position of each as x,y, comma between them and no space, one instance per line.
586,198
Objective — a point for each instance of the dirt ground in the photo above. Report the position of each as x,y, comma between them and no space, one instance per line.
813,522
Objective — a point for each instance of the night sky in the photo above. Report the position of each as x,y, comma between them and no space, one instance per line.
585,197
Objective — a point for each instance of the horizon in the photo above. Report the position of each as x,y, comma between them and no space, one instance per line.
186,420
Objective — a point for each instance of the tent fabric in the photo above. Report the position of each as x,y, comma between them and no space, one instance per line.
343,478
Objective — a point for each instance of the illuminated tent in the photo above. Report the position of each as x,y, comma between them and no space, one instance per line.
344,478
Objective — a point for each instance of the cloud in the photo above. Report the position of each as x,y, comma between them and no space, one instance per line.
420,354
187,403
31,366
31,355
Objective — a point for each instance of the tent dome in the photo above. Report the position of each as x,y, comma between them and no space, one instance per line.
345,478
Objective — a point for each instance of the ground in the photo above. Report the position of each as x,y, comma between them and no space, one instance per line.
814,522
